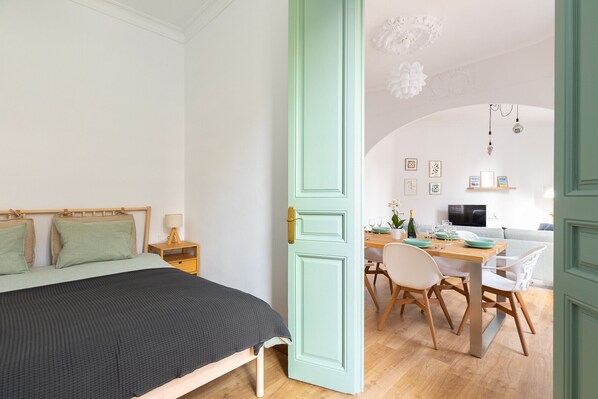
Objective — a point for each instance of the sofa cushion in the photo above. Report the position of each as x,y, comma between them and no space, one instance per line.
529,235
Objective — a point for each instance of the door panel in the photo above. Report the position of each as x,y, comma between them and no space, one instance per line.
325,161
576,201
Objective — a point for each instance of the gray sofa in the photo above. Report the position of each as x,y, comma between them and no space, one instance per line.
520,241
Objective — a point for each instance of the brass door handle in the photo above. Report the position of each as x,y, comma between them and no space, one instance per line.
291,224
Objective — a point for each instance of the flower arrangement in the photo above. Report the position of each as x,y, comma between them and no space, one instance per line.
395,222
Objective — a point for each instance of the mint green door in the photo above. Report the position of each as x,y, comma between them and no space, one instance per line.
576,202
325,158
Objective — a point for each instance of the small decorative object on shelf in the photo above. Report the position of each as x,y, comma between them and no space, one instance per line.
503,182
487,179
474,181
183,255
435,168
396,223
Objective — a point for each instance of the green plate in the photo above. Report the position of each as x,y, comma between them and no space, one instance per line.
479,243
417,242
444,236
381,230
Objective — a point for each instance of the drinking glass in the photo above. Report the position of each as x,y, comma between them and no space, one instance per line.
430,230
448,230
379,221
372,223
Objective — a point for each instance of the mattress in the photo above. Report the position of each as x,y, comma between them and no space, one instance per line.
120,331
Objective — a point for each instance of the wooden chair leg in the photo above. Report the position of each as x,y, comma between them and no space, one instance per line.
518,323
429,316
443,306
525,312
391,303
403,305
376,273
389,281
372,294
465,288
463,321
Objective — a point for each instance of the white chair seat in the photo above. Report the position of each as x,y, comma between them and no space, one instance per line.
452,267
497,282
373,254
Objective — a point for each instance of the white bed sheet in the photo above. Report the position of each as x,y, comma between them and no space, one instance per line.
46,275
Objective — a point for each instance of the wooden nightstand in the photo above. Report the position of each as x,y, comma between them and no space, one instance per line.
183,255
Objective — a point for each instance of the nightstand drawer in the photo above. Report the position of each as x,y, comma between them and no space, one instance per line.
186,265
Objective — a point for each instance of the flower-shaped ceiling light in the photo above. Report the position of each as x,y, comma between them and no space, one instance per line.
407,80
404,35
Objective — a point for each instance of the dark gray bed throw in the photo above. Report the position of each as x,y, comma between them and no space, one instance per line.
122,335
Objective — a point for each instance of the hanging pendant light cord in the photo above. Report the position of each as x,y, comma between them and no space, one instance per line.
490,126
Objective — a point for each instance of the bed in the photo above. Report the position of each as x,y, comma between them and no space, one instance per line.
121,329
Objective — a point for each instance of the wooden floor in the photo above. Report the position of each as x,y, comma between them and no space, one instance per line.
400,362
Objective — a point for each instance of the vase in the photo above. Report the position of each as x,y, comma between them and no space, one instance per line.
396,234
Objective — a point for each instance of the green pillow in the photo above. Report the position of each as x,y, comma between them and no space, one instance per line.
93,242
12,250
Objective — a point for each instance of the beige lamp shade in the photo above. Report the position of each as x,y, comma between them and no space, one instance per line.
173,220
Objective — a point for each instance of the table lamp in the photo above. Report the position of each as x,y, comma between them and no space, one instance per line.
173,221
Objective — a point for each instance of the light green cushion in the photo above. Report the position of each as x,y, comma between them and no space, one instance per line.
12,250
93,242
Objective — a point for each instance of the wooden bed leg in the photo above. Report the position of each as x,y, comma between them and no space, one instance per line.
259,384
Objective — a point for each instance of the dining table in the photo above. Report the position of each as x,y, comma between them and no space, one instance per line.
480,338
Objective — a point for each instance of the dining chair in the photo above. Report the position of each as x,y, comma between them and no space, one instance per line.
456,268
413,271
522,268
374,256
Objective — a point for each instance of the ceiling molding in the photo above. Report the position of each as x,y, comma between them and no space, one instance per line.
134,17
206,14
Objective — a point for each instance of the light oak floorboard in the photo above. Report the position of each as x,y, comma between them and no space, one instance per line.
401,363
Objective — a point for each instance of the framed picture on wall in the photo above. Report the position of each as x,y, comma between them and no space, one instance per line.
411,164
435,168
503,182
435,188
410,186
474,181
487,179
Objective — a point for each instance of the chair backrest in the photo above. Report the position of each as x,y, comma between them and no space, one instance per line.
523,268
373,254
411,267
467,235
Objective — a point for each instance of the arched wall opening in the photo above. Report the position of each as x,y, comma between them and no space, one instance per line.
458,137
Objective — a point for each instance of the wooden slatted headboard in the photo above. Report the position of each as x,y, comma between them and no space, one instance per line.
17,213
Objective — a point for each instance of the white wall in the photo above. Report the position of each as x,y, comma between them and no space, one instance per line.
236,146
379,179
91,112
459,138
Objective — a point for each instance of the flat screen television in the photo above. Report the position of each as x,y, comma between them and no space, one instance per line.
467,215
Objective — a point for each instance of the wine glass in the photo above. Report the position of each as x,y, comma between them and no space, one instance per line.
379,221
430,231
448,230
372,223
445,225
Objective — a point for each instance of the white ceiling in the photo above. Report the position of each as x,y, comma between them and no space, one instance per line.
178,13
472,30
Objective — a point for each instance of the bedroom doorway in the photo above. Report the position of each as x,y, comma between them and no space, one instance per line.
314,270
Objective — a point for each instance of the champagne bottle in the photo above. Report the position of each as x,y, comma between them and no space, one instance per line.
411,233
